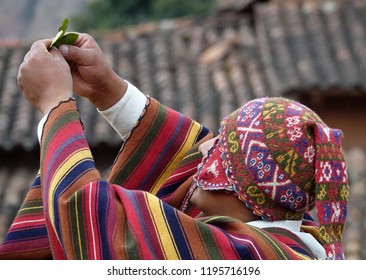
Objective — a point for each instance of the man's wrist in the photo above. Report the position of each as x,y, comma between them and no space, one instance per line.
45,116
111,94
46,108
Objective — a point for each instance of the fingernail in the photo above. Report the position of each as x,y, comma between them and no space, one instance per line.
64,49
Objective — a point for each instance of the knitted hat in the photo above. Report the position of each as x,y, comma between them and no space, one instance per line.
281,160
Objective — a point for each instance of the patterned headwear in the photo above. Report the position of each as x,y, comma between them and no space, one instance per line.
281,160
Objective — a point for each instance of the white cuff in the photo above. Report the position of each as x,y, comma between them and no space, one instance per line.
40,127
123,115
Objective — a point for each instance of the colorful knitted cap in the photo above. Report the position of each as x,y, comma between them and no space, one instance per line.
281,160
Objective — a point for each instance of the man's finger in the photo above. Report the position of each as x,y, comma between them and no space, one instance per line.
38,46
41,44
78,55
56,53
83,39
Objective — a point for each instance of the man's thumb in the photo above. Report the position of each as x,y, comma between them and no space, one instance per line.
64,50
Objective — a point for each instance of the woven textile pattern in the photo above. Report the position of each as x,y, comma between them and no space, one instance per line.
133,214
281,160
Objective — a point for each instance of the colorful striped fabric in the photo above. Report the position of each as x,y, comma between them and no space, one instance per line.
27,237
134,213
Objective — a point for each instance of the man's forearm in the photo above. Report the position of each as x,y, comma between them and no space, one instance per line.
67,166
122,116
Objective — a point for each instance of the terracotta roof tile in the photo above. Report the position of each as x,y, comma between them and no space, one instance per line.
14,183
300,45
355,226
234,5
312,43
207,67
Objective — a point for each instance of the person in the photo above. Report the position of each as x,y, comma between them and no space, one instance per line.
174,190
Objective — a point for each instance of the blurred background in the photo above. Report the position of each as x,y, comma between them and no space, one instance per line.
203,58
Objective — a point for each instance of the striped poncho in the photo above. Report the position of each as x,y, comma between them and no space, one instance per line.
70,212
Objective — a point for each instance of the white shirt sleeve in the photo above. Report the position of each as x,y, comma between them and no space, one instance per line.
40,127
122,116
294,227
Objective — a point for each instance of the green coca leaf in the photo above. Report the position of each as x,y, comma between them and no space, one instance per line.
64,25
68,39
61,38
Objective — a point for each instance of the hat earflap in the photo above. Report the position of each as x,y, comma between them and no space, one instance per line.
331,188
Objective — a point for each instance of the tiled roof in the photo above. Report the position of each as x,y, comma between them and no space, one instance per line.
235,5
314,44
355,233
14,184
205,68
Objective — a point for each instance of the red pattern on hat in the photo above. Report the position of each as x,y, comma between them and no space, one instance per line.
281,160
